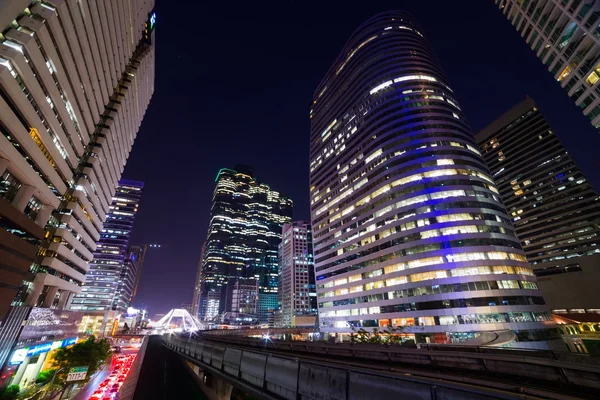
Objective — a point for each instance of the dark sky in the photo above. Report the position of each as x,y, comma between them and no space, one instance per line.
234,81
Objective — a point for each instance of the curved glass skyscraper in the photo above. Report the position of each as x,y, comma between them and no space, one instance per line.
408,226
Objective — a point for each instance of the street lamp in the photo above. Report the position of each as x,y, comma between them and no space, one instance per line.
53,377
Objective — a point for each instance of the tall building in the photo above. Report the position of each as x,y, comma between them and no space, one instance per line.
113,273
242,296
565,35
554,209
297,294
75,81
195,310
408,226
243,234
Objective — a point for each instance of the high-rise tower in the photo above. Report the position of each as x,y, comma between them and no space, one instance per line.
75,81
554,209
76,78
565,36
243,235
113,273
297,295
408,227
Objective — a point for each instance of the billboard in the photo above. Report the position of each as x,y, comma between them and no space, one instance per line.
46,324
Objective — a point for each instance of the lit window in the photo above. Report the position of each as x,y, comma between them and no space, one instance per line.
565,72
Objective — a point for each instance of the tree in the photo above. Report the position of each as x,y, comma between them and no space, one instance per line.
90,353
45,376
10,393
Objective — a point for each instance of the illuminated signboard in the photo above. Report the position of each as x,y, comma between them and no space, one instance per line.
149,27
38,349
20,354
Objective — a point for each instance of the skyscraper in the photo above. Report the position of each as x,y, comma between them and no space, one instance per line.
195,309
243,234
565,37
408,226
75,81
297,295
554,209
113,273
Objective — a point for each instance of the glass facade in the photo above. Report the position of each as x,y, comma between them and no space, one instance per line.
244,232
565,35
554,209
400,195
113,274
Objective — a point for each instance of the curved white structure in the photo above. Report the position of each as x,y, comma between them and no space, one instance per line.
178,320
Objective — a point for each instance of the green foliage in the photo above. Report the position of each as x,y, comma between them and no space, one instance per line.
45,376
10,393
91,353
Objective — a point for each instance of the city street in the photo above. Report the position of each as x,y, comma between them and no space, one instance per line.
90,388
106,383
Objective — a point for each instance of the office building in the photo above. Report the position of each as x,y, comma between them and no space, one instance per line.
68,120
75,81
195,311
242,295
243,234
565,36
113,273
297,294
554,209
408,226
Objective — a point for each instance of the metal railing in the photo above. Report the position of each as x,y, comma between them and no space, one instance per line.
308,369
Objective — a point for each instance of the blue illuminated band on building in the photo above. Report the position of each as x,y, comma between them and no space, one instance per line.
408,227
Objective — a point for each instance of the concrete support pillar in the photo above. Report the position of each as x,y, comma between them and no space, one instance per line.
34,295
216,389
63,298
44,215
50,296
222,389
16,380
23,196
4,163
38,367
69,300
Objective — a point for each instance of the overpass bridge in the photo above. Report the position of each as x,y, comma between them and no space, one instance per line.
297,370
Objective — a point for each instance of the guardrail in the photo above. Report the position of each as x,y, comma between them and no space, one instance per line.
568,368
290,376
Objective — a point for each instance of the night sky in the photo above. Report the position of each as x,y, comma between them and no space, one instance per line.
234,81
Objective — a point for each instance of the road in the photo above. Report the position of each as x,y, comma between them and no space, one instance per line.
90,388
163,376
86,392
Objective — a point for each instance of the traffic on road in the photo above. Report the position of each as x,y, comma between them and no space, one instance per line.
108,389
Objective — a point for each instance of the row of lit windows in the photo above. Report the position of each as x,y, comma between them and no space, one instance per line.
433,290
423,262
418,277
488,318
